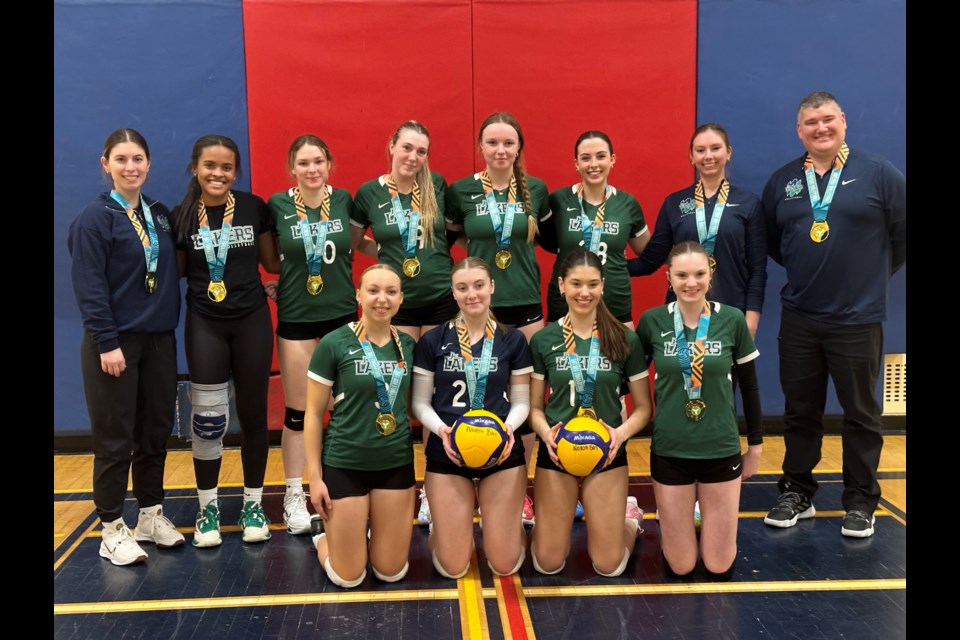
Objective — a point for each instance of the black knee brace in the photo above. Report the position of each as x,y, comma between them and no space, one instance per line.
293,419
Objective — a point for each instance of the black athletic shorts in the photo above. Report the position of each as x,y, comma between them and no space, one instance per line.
441,311
446,467
519,315
347,483
545,462
312,330
683,471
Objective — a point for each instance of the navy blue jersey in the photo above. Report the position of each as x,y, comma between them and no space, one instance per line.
438,354
844,279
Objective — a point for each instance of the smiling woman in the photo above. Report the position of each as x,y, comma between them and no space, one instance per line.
222,236
125,279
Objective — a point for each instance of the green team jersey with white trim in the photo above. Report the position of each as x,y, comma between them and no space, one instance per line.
728,341
373,208
519,283
351,439
622,220
294,303
551,363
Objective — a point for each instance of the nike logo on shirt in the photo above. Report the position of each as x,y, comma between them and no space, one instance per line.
558,346
731,204
572,209
353,351
665,333
476,195
447,346
292,215
385,204
848,181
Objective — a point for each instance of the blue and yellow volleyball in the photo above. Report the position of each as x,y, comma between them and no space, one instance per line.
479,438
582,446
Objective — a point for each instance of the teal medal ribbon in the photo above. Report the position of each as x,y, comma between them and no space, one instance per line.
386,396
148,238
692,368
583,381
216,259
708,236
592,230
821,206
475,372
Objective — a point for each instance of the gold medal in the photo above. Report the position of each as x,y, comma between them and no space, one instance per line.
314,284
411,267
386,423
216,291
695,409
587,412
819,231
712,262
503,258
150,282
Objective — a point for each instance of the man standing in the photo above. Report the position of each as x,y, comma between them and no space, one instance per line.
837,222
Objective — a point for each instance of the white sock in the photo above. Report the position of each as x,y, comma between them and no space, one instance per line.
294,485
252,495
206,496
111,526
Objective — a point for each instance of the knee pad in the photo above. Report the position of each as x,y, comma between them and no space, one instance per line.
721,577
337,580
444,572
523,556
396,578
616,572
536,565
210,416
293,419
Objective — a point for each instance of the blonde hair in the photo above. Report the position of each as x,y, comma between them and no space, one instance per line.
429,209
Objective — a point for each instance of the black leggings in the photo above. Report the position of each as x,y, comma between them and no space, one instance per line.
241,348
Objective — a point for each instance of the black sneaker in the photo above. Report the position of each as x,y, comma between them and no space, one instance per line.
316,529
791,506
858,524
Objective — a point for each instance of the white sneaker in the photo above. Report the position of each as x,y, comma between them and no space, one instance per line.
696,514
153,526
118,546
635,513
423,516
207,531
253,521
295,514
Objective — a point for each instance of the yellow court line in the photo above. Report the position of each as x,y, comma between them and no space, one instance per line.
473,615
366,597
715,587
76,543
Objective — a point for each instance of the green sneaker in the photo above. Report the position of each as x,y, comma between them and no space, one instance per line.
254,522
207,531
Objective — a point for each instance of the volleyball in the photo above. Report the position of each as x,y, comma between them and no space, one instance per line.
582,446
479,437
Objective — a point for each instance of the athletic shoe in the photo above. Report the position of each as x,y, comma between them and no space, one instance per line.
155,527
696,514
423,516
295,514
207,531
527,514
791,506
254,522
858,524
118,546
578,514
316,529
635,513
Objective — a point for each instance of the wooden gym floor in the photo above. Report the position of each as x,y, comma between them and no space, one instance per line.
805,582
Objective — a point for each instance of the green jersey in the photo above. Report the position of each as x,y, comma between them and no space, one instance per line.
552,363
519,283
351,439
336,299
622,220
728,341
373,208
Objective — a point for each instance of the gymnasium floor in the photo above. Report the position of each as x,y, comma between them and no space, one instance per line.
807,582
